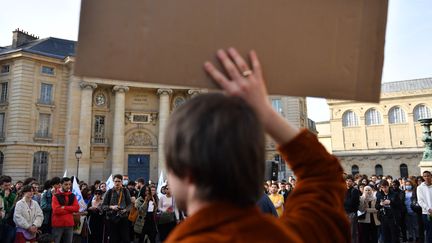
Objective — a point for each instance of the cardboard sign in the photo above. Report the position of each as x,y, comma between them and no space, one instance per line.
331,48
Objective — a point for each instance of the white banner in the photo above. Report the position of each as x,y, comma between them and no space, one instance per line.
77,192
160,184
110,182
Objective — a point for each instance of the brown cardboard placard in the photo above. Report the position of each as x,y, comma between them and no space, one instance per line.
332,49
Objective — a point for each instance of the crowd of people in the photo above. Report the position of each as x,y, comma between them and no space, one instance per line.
131,211
389,210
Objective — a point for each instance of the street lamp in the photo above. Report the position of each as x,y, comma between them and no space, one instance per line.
78,154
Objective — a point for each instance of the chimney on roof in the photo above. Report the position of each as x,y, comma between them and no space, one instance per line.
21,37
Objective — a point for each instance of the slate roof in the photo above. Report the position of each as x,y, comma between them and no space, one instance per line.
406,85
51,47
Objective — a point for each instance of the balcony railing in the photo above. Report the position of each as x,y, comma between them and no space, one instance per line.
45,102
43,135
99,140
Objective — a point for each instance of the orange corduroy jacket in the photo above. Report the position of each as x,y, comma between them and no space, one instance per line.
314,211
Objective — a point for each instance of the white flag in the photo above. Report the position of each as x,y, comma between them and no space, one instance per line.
78,195
160,184
65,173
110,182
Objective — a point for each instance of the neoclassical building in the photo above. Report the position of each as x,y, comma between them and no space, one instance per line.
384,138
46,113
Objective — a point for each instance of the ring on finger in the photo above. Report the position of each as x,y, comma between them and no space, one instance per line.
247,73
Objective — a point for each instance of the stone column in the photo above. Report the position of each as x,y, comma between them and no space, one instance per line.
164,106
85,130
118,163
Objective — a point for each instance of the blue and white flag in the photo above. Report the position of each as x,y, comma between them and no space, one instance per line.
110,182
78,195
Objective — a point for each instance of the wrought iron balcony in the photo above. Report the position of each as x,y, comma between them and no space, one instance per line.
43,135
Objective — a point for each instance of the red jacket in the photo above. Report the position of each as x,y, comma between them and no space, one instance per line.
62,217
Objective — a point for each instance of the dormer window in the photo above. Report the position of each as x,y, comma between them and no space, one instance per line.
47,70
5,68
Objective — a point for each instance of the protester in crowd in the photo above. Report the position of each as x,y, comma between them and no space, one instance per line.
277,199
140,182
50,187
266,188
411,220
401,211
266,205
116,204
368,221
284,191
424,196
167,205
146,205
219,185
7,225
36,193
95,218
351,204
389,208
361,187
28,217
374,179
83,185
132,191
64,205
18,185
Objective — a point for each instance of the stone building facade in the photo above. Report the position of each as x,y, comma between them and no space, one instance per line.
46,113
384,138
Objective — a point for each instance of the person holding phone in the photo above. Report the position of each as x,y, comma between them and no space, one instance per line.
146,205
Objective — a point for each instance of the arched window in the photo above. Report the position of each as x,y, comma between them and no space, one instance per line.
355,170
379,170
40,166
403,170
396,115
373,117
349,119
421,112
1,162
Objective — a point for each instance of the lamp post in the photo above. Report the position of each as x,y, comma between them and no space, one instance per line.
78,154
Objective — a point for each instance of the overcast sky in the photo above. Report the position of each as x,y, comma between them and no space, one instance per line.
408,52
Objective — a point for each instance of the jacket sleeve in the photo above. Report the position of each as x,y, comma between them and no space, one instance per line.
127,199
312,213
57,208
19,218
2,210
39,215
45,206
421,200
106,201
74,208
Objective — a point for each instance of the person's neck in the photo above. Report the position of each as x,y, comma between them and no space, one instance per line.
27,199
427,183
196,205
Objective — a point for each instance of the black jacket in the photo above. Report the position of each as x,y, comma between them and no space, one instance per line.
352,200
395,204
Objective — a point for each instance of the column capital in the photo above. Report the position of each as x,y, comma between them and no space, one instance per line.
121,89
164,91
88,85
194,92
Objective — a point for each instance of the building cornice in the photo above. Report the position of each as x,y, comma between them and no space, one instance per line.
23,54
